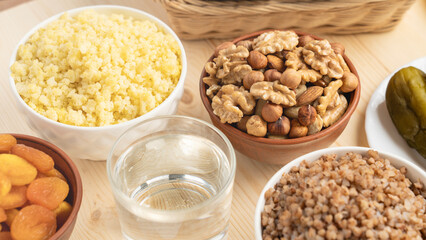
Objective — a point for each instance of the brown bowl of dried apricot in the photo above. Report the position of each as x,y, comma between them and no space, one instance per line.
40,189
280,94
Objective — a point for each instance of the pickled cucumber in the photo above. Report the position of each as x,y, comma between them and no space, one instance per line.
406,103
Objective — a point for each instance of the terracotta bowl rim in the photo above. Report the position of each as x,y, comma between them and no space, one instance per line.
79,186
354,99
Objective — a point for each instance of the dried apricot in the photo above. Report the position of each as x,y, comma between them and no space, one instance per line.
11,214
5,184
27,203
15,198
33,222
52,173
19,171
48,192
7,141
5,236
39,159
3,216
62,212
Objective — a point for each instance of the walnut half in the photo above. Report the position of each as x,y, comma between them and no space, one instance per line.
211,70
275,41
332,115
320,56
329,94
295,61
274,92
231,102
231,65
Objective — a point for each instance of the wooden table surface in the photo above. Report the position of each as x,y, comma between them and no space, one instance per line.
374,55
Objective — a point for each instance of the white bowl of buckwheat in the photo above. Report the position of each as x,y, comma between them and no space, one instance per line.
344,193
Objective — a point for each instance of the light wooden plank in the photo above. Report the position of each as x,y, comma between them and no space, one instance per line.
374,55
5,4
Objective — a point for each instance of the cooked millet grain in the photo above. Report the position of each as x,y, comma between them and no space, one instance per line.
95,69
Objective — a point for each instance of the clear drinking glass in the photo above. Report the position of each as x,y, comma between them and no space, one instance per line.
172,178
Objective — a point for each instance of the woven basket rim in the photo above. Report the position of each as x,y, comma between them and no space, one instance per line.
200,19
218,8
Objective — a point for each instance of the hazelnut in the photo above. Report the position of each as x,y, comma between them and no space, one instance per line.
257,60
307,115
291,112
275,63
303,40
246,43
280,127
256,126
259,105
242,124
252,77
222,46
291,78
338,48
272,75
350,82
272,112
297,130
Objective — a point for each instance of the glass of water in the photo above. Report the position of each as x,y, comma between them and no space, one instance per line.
172,178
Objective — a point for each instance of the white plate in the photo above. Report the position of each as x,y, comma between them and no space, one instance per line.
381,133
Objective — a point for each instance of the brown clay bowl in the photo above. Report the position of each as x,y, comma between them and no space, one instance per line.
66,166
281,151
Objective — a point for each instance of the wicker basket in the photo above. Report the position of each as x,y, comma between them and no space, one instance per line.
197,19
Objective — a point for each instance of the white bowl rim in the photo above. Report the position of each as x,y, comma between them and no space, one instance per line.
296,162
128,123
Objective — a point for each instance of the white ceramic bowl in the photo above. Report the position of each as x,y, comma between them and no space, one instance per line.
414,173
94,143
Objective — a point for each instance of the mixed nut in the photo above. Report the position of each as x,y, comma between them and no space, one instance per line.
279,85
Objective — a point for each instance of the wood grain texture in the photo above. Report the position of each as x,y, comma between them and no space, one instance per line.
374,56
5,4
